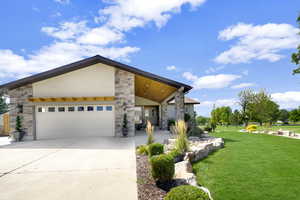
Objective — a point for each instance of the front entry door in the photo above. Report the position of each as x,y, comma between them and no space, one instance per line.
151,114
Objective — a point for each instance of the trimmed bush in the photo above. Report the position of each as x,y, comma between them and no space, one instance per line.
208,129
196,132
142,150
162,168
176,155
251,127
155,149
186,192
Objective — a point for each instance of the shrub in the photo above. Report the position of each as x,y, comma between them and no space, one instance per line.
142,150
176,155
187,117
251,127
186,192
195,131
162,168
171,122
155,149
182,143
149,131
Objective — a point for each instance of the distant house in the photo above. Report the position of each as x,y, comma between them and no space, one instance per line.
188,107
90,98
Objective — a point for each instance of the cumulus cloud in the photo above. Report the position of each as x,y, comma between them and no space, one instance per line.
171,68
243,85
63,1
211,82
290,99
206,106
128,14
74,40
260,42
214,69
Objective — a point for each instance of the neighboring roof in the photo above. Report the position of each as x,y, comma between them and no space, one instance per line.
85,63
187,100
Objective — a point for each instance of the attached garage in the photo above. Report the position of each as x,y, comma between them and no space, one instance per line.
65,121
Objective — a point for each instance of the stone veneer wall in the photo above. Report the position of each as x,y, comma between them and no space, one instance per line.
19,97
164,116
125,101
179,105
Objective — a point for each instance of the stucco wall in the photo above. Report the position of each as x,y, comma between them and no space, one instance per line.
140,101
95,80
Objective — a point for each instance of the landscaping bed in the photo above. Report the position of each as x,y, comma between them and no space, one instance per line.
147,189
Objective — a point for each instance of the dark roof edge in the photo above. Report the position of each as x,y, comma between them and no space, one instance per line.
85,63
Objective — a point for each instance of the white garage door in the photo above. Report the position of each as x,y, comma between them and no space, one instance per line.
74,121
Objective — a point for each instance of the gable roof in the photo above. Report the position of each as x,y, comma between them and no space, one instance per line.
85,63
187,100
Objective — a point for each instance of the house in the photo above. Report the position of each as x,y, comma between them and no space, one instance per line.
90,98
189,108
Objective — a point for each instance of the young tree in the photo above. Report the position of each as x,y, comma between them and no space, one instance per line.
284,116
296,56
222,115
3,105
294,115
236,118
245,99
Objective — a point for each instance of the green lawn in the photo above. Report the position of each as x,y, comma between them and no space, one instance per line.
252,167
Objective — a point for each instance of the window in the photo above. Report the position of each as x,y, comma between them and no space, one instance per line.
41,109
71,109
20,108
51,109
99,108
90,108
61,109
109,108
80,108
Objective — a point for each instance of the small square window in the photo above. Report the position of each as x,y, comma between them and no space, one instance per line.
41,109
80,108
61,109
109,108
99,108
71,109
90,108
51,109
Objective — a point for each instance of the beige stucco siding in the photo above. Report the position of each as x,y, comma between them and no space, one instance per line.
140,101
96,80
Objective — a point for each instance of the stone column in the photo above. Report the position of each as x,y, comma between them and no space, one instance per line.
164,116
125,101
179,105
19,105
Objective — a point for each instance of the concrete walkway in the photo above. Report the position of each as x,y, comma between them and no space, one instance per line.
69,169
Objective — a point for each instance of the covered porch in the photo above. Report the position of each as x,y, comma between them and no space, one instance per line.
151,102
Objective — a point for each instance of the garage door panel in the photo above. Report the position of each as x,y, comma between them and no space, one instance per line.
74,124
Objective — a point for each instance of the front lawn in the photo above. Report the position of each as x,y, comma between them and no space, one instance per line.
252,166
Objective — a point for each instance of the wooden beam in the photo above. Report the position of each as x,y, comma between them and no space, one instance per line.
70,99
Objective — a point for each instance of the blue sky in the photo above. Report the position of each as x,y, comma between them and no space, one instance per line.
219,47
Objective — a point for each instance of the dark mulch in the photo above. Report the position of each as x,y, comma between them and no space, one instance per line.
147,189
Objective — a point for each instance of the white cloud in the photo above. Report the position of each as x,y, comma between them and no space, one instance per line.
260,42
242,85
206,107
211,82
127,14
245,72
290,99
171,68
77,40
63,1
214,69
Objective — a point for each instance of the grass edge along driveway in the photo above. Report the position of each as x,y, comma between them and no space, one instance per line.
252,167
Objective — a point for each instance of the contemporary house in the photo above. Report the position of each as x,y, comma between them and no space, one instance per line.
90,98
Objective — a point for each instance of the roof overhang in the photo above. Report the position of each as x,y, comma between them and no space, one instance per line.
91,61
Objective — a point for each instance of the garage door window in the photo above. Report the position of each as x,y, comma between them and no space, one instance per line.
80,108
61,109
71,109
41,109
51,109
109,108
90,108
99,108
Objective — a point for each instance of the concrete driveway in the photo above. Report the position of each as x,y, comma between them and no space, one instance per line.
69,169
